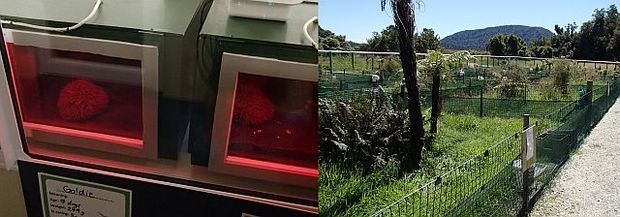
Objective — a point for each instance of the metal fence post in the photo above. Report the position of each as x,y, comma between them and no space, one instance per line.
608,88
524,93
590,97
469,88
463,79
343,80
589,91
481,99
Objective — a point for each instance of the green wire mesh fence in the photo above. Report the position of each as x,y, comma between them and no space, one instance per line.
490,183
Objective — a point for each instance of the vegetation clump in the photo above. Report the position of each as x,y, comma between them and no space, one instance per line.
365,132
512,80
561,74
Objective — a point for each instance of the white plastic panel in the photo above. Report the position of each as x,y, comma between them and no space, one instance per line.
262,9
10,143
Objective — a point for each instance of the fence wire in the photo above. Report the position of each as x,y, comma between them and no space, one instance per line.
490,184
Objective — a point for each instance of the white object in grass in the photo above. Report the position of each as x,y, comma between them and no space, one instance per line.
375,78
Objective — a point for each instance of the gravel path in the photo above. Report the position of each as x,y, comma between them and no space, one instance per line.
589,183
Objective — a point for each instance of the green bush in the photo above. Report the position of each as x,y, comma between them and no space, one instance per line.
390,69
363,133
561,74
513,79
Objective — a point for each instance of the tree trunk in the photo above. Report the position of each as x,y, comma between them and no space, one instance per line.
435,102
404,18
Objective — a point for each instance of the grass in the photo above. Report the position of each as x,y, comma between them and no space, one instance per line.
343,191
346,192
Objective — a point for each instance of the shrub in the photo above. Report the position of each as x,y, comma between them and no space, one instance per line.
509,89
362,132
390,69
513,79
561,74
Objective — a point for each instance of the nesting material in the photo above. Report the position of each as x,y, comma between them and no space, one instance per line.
252,105
80,100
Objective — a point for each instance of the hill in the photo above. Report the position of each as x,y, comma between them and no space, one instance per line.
477,39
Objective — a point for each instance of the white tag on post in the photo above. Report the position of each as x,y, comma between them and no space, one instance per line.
530,143
529,149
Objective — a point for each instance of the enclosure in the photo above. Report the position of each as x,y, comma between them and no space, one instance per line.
473,161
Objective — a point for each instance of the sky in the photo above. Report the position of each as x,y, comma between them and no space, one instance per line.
357,19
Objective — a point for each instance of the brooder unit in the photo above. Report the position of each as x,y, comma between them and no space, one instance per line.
257,92
117,92
93,87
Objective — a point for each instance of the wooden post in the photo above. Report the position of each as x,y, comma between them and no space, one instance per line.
331,63
525,175
596,69
589,91
352,62
372,64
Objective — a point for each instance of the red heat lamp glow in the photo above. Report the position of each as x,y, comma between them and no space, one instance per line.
80,100
252,106
275,122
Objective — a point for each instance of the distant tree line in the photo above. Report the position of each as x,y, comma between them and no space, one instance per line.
510,45
596,39
330,41
386,40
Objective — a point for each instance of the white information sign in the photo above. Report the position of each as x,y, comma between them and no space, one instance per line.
66,197
530,143
529,149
